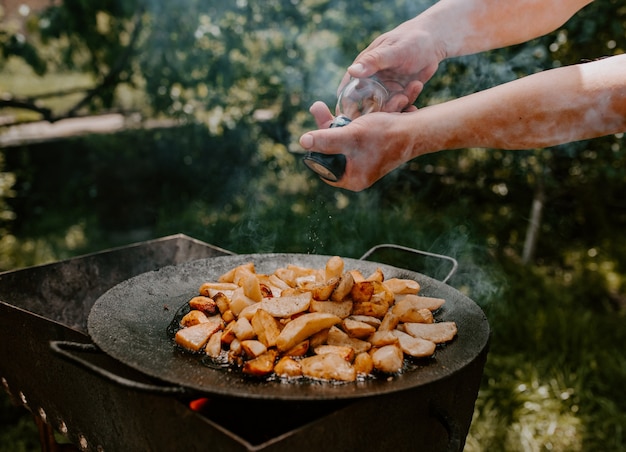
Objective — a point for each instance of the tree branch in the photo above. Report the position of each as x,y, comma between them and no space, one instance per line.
113,74
27,104
534,225
109,79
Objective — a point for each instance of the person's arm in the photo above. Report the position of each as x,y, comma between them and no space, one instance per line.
463,27
409,54
545,109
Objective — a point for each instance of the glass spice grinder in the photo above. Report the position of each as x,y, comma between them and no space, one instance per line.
359,97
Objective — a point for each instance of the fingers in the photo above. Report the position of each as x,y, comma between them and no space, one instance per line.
367,64
413,90
397,102
358,70
403,101
307,141
322,114
321,140
427,72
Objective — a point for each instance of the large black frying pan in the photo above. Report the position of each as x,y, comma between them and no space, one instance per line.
130,321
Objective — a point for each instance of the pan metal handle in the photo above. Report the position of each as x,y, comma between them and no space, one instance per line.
452,260
68,350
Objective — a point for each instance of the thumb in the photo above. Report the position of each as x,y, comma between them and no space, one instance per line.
326,141
322,115
362,69
369,63
307,141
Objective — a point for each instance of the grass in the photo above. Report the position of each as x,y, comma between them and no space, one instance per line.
552,378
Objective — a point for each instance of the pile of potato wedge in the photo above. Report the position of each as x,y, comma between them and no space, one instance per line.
328,323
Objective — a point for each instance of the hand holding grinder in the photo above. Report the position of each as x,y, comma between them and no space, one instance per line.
359,97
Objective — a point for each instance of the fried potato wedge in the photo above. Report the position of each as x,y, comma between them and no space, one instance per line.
377,276
228,334
389,322
261,365
287,276
414,346
339,308
302,281
235,347
339,337
419,302
291,292
416,316
275,281
328,367
319,338
382,338
410,305
334,267
222,302
362,291
300,349
253,348
205,304
321,291
229,276
346,353
288,367
438,333
382,294
239,301
228,316
304,326
371,298
363,363
265,327
312,274
282,307
402,286
250,284
213,347
375,322
371,308
268,290
209,288
243,329
193,318
343,288
357,276
388,359
357,329
196,336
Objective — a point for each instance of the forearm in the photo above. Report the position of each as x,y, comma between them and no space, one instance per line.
545,109
462,27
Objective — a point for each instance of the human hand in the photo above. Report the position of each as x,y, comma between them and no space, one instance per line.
373,144
403,59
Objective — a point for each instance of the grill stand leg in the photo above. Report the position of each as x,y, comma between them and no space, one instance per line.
48,441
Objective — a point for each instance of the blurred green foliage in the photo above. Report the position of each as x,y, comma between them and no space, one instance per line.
239,77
